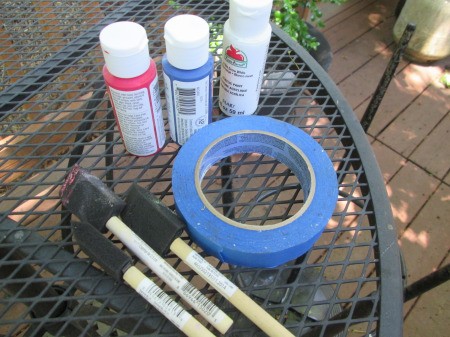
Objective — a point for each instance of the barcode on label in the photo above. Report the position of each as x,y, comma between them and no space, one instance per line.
163,302
169,304
185,100
204,303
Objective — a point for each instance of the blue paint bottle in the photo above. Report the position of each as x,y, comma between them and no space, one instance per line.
188,72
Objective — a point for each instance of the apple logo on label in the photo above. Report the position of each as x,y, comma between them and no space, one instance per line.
235,57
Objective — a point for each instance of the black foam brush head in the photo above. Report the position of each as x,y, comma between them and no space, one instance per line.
101,250
86,196
151,220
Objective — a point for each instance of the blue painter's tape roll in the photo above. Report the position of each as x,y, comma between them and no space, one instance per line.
246,245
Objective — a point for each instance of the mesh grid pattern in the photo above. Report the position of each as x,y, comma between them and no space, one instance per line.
54,113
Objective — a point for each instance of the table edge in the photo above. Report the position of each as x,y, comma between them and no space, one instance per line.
392,287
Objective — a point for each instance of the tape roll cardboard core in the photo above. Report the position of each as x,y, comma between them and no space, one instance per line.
268,144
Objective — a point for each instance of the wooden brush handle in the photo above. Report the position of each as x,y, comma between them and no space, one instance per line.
169,275
231,292
165,304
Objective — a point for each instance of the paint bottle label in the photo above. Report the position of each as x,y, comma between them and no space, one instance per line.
187,106
132,80
241,77
140,118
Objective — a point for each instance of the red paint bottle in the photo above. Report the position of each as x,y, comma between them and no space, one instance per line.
132,82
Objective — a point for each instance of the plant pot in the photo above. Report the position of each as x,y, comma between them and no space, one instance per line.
431,39
323,54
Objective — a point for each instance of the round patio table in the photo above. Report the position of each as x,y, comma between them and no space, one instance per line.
54,113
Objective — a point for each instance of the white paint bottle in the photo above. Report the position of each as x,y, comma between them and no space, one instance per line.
245,44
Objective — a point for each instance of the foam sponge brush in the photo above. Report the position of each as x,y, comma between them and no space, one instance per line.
119,265
93,202
89,198
147,215
144,207
112,260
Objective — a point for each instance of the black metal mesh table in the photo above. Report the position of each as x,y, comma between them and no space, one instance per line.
54,113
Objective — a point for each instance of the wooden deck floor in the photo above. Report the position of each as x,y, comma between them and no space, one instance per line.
410,138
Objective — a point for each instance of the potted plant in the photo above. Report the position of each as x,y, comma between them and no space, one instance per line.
292,15
431,39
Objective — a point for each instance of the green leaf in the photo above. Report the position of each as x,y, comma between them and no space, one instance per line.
285,15
445,79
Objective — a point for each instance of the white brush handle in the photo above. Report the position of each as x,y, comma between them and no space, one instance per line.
170,276
165,304
230,291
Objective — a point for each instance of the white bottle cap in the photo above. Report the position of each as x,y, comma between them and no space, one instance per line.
249,18
125,49
187,41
